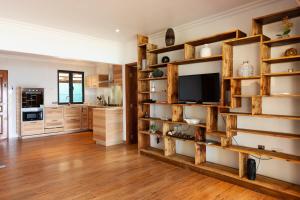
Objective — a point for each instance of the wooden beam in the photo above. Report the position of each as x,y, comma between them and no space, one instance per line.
211,119
189,52
242,164
172,87
177,113
256,102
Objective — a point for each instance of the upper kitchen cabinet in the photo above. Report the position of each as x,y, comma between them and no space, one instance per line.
117,74
96,81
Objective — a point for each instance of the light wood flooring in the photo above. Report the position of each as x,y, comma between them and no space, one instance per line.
74,167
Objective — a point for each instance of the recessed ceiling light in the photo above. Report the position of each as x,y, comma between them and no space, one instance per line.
117,30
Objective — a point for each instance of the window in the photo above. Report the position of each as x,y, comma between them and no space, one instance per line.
70,87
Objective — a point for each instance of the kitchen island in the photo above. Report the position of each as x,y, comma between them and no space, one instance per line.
108,125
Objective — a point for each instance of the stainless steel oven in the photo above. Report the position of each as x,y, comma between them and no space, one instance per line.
32,114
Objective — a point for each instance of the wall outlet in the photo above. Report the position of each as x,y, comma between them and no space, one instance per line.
262,147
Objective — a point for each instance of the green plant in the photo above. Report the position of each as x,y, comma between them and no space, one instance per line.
286,27
153,128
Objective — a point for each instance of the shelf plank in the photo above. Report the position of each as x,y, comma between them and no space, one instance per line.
282,59
217,133
160,65
243,96
296,73
150,92
184,140
282,95
203,125
148,133
216,38
247,40
198,60
283,41
267,133
146,70
167,49
275,17
157,103
245,77
288,117
260,152
153,79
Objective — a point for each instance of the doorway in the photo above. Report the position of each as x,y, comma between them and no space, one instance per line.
131,102
3,104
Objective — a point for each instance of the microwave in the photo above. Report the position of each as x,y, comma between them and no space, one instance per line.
32,114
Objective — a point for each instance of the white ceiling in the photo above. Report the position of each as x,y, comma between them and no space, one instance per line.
100,18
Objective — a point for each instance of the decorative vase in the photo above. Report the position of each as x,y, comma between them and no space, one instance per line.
165,59
170,37
157,73
205,51
246,69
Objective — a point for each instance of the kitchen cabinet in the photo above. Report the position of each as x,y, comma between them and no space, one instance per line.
72,118
54,120
32,128
84,118
108,125
96,81
90,117
117,74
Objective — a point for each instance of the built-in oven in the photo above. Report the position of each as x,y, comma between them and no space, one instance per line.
32,114
32,97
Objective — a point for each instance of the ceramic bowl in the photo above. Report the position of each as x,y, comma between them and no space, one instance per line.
192,121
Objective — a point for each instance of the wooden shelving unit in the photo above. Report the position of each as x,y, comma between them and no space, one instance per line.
230,84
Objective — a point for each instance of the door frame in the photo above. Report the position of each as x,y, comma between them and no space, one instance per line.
5,108
127,88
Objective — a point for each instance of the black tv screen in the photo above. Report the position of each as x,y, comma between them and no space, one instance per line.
199,88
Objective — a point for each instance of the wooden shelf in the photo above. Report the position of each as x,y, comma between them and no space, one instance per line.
153,79
217,38
217,133
198,60
271,154
210,143
167,49
160,65
146,70
283,41
296,73
266,184
243,96
149,92
268,133
275,17
176,138
247,40
157,103
282,95
282,59
171,122
245,77
288,117
148,133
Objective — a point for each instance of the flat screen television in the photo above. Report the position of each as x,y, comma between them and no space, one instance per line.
199,88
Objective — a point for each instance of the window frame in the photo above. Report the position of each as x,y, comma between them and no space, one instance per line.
70,86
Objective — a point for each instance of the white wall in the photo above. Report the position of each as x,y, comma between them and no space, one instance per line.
27,71
29,38
241,19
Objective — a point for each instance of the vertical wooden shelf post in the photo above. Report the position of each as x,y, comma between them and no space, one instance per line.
170,146
235,89
227,72
231,123
200,149
242,164
151,57
172,88
189,52
143,140
177,113
211,119
256,102
265,81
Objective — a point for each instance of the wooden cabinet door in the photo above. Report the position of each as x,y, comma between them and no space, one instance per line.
32,128
3,104
54,117
72,123
90,118
117,73
84,118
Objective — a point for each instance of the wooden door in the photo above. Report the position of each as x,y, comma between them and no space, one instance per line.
131,103
3,104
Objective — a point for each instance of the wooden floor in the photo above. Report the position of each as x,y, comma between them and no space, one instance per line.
73,167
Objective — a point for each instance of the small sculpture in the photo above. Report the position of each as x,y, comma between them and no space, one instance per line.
165,59
170,37
291,52
157,73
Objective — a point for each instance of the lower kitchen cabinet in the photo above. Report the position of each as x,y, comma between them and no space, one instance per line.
32,128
